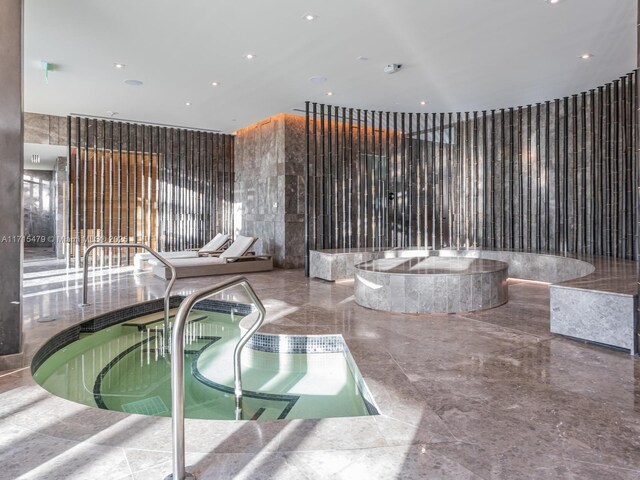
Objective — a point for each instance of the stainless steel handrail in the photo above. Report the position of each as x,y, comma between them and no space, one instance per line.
177,363
167,292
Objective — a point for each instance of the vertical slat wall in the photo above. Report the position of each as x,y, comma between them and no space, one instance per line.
169,188
558,176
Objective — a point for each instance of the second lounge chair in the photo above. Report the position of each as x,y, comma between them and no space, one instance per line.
235,259
141,260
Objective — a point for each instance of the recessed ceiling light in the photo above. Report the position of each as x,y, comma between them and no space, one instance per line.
133,83
215,84
329,94
362,58
423,102
310,16
552,2
586,56
119,65
188,104
249,56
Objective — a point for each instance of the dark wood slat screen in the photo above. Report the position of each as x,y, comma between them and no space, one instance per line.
169,188
558,176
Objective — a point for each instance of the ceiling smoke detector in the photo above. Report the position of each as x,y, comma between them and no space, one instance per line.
392,68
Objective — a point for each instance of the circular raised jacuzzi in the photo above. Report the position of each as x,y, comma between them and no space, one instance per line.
431,284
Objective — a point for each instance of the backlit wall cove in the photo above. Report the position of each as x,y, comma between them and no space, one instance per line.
558,176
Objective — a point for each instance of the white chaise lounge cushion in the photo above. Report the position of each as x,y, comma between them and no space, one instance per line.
195,262
215,244
140,260
181,254
239,247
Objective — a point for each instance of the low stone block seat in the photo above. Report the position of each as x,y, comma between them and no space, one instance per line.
592,298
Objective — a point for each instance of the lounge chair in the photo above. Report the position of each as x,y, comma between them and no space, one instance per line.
216,245
235,259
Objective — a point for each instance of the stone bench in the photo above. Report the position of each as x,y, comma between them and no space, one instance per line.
591,298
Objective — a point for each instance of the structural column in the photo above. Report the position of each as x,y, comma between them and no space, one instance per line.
637,159
11,165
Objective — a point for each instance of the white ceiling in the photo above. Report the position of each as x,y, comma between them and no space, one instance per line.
456,55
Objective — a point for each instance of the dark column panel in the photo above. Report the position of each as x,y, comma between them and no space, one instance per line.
11,158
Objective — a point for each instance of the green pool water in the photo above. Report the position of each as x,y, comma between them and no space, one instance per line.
122,368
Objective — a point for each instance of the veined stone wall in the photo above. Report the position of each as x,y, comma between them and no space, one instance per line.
269,187
45,129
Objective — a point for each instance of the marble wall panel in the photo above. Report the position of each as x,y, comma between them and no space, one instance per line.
294,240
54,131
45,129
269,187
36,128
63,130
295,145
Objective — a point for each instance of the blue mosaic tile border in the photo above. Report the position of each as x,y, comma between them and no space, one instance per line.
223,306
272,343
54,344
127,313
118,316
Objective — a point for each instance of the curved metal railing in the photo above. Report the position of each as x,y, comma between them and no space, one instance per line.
167,292
177,364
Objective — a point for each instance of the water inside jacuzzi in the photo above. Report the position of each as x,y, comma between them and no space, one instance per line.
122,368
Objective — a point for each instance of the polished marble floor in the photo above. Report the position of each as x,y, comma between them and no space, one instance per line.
488,395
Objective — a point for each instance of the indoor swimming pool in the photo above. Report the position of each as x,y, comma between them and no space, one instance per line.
123,367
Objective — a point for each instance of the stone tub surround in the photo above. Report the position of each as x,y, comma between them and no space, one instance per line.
592,298
431,284
484,395
338,264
